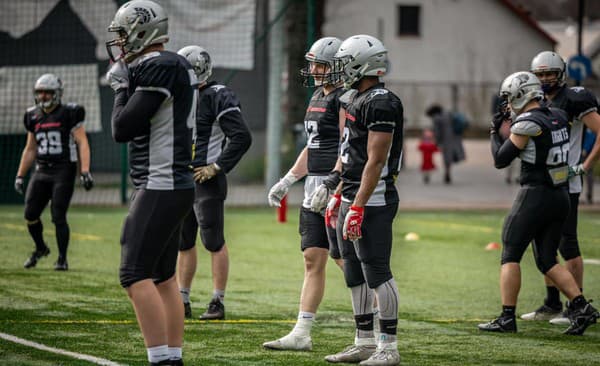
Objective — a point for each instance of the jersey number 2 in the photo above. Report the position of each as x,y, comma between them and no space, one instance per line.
49,143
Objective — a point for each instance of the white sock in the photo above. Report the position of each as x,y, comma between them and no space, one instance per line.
220,294
175,353
158,353
304,324
185,294
387,341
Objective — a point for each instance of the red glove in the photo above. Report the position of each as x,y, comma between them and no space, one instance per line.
353,222
332,210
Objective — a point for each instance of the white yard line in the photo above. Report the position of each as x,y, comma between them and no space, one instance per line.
591,261
79,356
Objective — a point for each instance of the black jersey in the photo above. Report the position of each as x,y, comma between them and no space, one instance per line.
160,158
322,126
544,161
52,132
576,102
376,109
221,135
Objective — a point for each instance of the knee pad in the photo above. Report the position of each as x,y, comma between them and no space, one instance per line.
353,274
377,273
128,276
511,254
212,238
569,248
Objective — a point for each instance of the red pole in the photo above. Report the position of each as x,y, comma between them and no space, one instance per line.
282,210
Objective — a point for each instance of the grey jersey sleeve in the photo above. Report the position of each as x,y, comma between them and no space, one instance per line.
526,128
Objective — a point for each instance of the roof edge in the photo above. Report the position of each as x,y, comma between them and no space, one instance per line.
524,15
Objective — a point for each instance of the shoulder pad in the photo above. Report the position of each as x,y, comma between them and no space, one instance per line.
527,128
32,108
348,96
375,92
217,87
577,89
72,105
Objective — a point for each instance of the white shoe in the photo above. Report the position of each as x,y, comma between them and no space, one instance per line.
562,319
290,342
352,354
544,312
386,356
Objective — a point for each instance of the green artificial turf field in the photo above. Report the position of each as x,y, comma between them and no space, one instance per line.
448,283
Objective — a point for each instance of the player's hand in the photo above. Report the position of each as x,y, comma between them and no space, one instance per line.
118,76
498,119
204,173
332,210
321,194
19,185
86,180
354,218
280,189
576,170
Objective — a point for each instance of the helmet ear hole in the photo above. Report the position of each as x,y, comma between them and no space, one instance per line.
141,34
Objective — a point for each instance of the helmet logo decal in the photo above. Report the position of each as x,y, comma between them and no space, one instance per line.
143,15
519,80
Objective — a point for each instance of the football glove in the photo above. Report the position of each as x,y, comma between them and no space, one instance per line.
118,76
280,189
354,218
576,170
321,194
332,210
204,173
19,185
497,120
86,180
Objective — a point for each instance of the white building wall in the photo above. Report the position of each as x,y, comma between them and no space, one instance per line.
473,44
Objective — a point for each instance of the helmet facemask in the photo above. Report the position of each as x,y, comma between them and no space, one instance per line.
48,83
312,78
549,85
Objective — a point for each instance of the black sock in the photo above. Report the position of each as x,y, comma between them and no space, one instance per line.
36,231
508,310
62,239
578,302
552,297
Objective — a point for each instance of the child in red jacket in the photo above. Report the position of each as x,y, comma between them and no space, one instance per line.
427,147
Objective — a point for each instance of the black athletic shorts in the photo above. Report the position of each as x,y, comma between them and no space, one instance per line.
538,214
50,183
209,211
312,230
150,236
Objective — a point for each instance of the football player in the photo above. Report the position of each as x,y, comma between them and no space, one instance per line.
581,108
55,134
221,139
154,112
367,200
540,138
316,161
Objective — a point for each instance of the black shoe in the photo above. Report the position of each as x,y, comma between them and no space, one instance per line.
61,264
215,311
447,178
35,257
581,319
162,363
502,324
187,310
178,362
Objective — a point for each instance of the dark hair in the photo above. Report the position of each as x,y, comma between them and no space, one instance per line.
433,110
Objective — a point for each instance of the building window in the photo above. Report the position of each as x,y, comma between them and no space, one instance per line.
409,20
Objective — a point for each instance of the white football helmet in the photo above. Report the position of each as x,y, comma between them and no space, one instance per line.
322,52
138,24
48,82
520,88
360,56
199,59
548,61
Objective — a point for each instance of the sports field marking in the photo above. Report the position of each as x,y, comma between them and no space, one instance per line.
592,261
117,322
74,235
42,347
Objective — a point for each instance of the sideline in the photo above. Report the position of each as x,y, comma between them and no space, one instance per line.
79,356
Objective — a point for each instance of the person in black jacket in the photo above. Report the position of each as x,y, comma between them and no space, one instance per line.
220,141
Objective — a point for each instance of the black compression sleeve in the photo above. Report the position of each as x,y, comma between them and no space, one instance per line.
234,127
503,153
131,117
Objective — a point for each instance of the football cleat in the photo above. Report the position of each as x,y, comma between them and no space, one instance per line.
61,264
177,362
35,257
581,319
290,342
544,312
502,324
161,363
386,356
563,318
187,310
352,354
215,311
